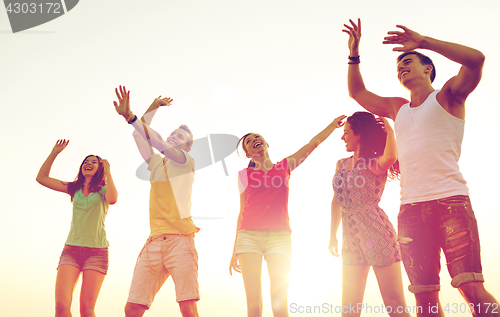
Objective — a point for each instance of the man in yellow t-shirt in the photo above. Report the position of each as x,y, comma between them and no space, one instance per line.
170,248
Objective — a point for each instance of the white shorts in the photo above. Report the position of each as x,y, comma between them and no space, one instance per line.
264,242
162,256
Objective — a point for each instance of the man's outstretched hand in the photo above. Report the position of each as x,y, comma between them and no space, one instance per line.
409,39
123,104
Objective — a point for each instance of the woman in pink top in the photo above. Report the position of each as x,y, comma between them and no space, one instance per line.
263,229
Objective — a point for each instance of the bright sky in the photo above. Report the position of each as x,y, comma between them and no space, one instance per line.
273,67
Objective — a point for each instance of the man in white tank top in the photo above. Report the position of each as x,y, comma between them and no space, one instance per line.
435,209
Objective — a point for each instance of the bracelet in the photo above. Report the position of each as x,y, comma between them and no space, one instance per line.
133,120
353,60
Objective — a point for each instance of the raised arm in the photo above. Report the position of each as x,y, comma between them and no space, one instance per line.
390,155
111,194
457,88
381,106
144,145
300,156
155,139
43,176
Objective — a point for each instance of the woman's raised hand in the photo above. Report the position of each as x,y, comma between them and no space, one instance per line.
60,146
338,122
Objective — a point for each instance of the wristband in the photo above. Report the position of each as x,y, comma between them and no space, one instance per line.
132,120
353,60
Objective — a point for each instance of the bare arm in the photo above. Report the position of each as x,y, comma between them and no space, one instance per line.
234,265
111,194
43,176
300,156
333,246
458,88
156,141
143,144
390,155
381,106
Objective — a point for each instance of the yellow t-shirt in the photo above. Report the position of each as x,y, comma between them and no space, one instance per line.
170,196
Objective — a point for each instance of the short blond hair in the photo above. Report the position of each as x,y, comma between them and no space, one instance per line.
186,128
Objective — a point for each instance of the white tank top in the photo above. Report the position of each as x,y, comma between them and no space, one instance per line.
429,141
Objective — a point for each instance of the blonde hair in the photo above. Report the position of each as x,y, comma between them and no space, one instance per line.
185,128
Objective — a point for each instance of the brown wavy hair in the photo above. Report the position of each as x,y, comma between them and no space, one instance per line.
372,138
97,182
251,164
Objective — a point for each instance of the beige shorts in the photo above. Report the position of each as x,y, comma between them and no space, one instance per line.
264,242
162,256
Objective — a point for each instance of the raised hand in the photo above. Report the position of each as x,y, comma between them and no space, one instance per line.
60,146
164,101
409,39
338,122
123,104
384,123
106,166
354,32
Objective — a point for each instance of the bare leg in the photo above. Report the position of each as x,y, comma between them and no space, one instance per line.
91,286
353,288
67,276
427,303
390,284
188,308
134,310
478,297
251,270
278,266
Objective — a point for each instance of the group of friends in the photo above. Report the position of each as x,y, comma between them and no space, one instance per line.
423,152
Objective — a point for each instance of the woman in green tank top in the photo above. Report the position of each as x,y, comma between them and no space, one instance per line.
86,249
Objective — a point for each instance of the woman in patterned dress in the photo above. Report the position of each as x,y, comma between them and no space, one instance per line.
369,239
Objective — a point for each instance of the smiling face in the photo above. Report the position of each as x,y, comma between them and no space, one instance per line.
411,67
254,145
351,139
90,166
179,138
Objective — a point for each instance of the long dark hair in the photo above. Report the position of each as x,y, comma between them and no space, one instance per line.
372,138
251,164
96,183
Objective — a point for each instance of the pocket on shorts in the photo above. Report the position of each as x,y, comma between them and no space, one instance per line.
100,252
189,244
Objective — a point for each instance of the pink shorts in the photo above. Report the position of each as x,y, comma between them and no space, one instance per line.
162,256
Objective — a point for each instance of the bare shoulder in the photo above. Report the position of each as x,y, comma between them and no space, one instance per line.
449,102
339,164
396,104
